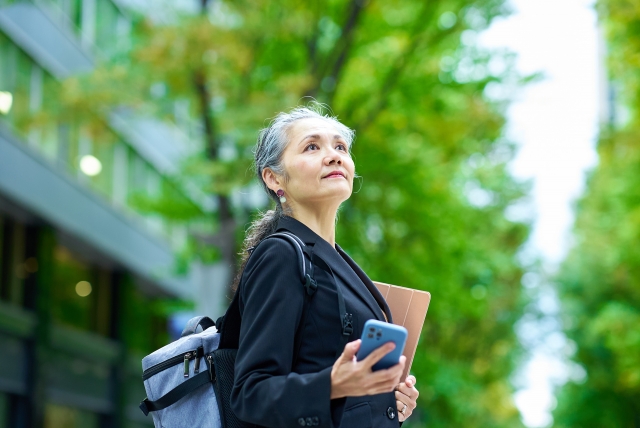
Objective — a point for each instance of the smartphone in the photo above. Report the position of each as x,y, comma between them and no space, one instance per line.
377,333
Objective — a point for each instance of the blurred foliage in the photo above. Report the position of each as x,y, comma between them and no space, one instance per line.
598,282
429,212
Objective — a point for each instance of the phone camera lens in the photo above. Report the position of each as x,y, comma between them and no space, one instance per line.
372,329
370,336
379,334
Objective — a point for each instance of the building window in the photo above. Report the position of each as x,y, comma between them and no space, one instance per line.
103,150
49,129
8,67
14,267
120,161
21,109
107,25
4,409
81,293
72,10
88,22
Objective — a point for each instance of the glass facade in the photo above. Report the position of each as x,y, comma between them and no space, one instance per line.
124,178
4,408
74,325
14,264
99,325
80,293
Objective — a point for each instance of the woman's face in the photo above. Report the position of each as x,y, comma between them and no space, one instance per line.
318,165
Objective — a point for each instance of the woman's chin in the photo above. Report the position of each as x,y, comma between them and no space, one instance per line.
330,198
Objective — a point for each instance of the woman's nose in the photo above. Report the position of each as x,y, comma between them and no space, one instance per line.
334,157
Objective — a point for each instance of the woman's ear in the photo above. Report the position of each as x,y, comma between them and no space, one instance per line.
272,181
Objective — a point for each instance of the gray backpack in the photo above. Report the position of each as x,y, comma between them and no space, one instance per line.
175,376
188,382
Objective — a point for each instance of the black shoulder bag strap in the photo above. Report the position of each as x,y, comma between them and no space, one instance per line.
310,285
346,318
229,324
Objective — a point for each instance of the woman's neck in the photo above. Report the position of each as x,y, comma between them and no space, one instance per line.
322,222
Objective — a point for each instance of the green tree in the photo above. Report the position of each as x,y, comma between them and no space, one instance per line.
598,282
429,212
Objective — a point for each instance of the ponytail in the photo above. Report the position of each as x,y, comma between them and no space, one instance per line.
260,228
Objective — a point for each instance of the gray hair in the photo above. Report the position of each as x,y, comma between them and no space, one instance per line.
268,153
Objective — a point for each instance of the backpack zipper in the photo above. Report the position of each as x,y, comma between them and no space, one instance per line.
199,354
181,358
186,364
211,372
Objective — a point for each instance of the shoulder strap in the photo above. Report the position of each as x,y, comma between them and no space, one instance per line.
346,318
176,393
229,324
302,250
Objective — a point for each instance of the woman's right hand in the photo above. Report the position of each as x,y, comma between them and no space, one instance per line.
352,378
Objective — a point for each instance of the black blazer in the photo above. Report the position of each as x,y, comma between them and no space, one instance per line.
270,388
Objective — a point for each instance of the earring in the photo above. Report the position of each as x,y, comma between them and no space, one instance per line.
280,194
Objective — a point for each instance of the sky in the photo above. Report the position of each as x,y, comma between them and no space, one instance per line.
554,124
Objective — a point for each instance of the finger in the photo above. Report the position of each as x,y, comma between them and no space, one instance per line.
383,381
411,380
406,391
405,398
350,350
411,403
392,373
377,354
402,406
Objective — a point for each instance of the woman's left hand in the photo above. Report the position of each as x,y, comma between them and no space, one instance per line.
406,395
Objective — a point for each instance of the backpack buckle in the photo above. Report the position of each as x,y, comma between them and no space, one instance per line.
310,285
347,325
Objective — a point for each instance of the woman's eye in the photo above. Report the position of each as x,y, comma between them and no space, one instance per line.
342,147
312,145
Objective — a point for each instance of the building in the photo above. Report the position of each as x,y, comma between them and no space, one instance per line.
83,272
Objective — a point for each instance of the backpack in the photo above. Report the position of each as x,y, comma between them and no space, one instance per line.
175,375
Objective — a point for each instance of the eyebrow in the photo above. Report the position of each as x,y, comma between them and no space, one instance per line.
317,137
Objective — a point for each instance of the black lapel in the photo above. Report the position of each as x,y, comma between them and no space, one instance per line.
367,282
341,264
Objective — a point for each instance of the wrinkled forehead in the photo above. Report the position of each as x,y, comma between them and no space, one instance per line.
300,129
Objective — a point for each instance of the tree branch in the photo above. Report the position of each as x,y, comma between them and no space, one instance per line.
348,31
340,51
393,75
206,113
312,46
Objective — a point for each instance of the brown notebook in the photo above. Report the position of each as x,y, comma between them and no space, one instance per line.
408,309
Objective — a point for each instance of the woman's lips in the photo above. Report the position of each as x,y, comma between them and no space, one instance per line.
335,174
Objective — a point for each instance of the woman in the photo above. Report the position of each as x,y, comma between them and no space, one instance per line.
303,161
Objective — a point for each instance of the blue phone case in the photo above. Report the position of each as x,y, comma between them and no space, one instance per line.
377,333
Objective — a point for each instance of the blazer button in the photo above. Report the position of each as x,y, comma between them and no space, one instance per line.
302,422
309,422
391,414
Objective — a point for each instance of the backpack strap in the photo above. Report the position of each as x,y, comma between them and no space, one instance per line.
229,324
195,322
176,393
346,319
309,282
